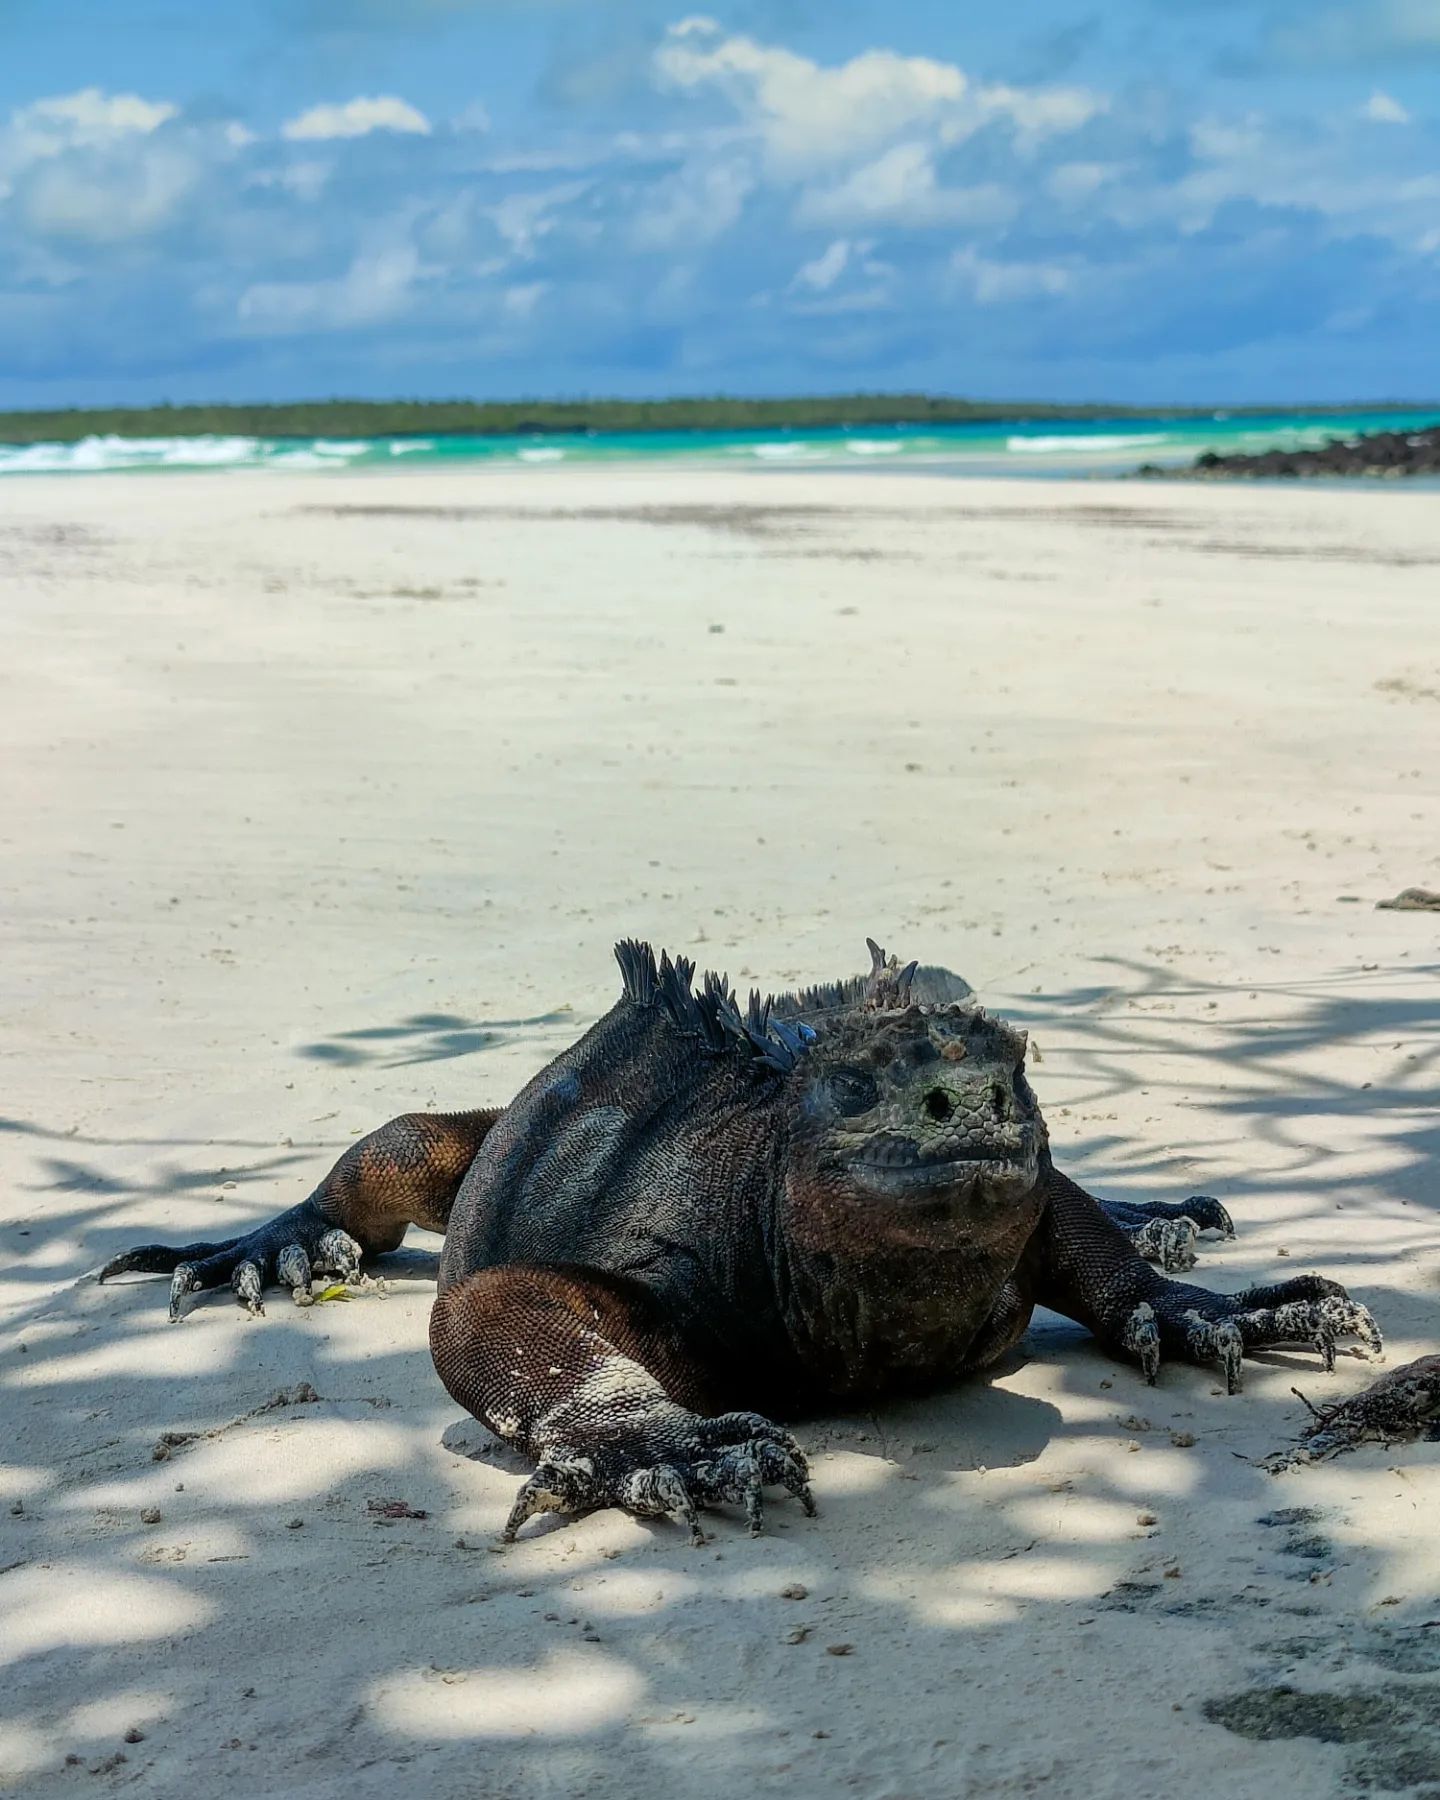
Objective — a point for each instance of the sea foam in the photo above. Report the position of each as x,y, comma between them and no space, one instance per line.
94,455
987,447
1089,440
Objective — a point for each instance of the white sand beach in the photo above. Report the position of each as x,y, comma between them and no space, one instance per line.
323,798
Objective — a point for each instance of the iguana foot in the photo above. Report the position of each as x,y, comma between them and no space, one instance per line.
1201,1327
1169,1242
288,1250
675,1462
1165,1232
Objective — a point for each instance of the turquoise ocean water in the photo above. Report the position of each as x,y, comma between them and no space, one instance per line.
1050,447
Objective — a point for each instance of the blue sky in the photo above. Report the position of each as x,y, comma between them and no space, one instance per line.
1145,201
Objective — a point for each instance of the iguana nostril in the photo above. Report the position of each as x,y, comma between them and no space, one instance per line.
939,1106
1002,1101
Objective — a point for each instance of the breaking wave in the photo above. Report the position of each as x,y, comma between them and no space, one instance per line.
987,447
93,454
96,455
1083,441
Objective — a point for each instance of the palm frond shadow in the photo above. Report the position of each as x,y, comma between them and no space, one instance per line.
962,1535
427,1038
1255,1078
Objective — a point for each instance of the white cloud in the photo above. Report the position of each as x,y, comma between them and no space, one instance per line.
900,188
358,118
89,119
1228,140
1358,181
92,115
825,270
874,299
378,285
990,282
1384,109
102,204
1079,180
524,219
811,118
1042,112
305,179
698,204
844,279
521,300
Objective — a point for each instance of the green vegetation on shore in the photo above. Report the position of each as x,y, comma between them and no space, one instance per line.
500,418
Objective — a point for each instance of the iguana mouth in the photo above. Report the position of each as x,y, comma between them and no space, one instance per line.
899,1167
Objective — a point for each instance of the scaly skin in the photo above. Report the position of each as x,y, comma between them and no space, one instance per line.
698,1210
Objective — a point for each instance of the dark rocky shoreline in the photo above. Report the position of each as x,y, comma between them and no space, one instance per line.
1386,454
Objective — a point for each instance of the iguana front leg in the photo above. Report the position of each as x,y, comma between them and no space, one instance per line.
405,1173
1082,1265
582,1371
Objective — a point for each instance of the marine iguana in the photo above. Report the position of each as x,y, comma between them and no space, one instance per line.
705,1205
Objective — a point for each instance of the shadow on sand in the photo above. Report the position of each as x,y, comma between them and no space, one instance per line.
979,1552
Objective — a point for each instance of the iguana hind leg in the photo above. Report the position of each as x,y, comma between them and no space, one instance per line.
581,1370
1083,1265
405,1173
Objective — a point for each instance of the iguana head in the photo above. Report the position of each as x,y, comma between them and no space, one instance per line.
903,1124
915,1123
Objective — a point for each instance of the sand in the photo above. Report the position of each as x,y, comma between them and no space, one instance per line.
324,798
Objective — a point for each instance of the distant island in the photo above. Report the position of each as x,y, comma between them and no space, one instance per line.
506,418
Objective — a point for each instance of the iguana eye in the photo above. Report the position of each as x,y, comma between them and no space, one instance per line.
852,1091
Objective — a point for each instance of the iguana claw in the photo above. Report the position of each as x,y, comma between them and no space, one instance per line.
1166,1231
247,1284
1208,1214
183,1283
1217,1340
286,1250
1141,1337
694,1475
1224,1329
293,1269
1169,1242
337,1253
